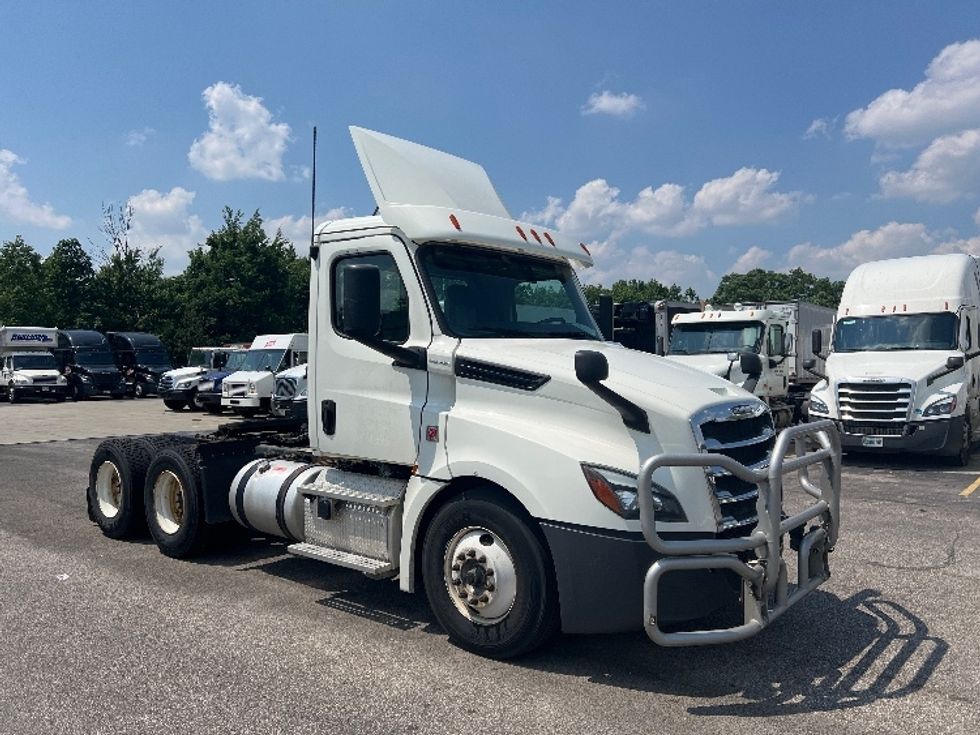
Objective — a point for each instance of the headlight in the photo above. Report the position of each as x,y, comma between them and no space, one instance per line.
185,384
225,391
251,389
61,380
818,406
617,491
86,378
943,407
21,380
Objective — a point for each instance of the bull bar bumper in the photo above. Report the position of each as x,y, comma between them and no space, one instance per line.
766,592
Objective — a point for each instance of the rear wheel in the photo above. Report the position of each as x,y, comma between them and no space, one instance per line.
173,405
174,506
962,456
488,577
115,494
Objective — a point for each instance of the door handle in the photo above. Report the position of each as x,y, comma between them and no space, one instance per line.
328,417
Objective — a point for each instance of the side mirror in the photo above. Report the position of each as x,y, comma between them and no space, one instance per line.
954,362
750,364
816,341
591,367
362,301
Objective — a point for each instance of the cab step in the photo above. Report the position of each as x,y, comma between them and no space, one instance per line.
375,568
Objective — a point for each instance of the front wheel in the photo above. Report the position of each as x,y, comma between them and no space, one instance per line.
139,391
173,405
488,577
962,456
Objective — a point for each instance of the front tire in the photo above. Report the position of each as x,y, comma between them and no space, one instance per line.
173,405
488,577
962,456
139,391
174,506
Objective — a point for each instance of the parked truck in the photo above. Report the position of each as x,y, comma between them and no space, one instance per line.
27,367
142,359
289,398
760,346
86,360
640,325
249,391
528,475
902,371
183,387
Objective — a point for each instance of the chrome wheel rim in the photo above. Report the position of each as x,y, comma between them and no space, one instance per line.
108,489
480,575
169,501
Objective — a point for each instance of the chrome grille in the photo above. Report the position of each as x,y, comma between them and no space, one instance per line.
285,387
167,383
872,430
237,389
45,379
746,434
865,402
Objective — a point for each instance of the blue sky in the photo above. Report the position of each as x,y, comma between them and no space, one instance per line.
683,140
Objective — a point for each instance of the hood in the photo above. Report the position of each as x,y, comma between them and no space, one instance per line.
715,363
298,372
47,373
250,376
915,365
652,382
184,372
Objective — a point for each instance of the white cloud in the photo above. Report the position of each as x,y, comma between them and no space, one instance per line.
970,246
163,220
610,103
545,216
242,142
820,128
745,197
976,217
947,100
297,229
948,169
752,258
136,138
15,202
893,240
614,263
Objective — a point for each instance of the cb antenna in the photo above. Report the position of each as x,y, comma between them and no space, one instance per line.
314,250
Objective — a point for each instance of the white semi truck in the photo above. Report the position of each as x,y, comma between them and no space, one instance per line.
250,390
761,347
902,371
183,386
27,367
465,440
290,393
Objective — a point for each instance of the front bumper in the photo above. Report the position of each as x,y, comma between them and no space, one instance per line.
756,558
209,399
177,395
915,436
241,402
48,390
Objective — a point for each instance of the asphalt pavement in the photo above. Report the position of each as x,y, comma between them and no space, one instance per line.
102,636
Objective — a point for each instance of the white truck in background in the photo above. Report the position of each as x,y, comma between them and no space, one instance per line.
182,386
27,367
289,398
249,391
759,346
464,438
902,373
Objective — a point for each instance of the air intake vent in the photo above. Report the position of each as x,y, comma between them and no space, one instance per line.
489,372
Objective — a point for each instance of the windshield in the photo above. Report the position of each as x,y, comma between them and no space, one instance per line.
235,361
156,356
198,358
719,337
486,293
43,361
94,357
256,360
896,332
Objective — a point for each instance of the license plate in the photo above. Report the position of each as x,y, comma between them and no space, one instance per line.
872,441
45,390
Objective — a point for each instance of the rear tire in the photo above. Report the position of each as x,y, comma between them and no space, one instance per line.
962,456
488,577
115,492
174,506
174,405
195,403
213,408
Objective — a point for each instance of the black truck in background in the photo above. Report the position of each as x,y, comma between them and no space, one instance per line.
640,325
142,359
86,360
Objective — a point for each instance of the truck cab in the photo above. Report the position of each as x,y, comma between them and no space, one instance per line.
143,357
27,368
181,387
289,399
86,360
249,390
902,373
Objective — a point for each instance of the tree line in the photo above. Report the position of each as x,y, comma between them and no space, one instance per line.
241,282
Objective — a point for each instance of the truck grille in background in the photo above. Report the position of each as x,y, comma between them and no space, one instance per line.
237,390
863,402
748,440
167,383
41,380
285,387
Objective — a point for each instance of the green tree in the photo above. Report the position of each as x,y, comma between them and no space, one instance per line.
637,290
764,285
20,284
67,277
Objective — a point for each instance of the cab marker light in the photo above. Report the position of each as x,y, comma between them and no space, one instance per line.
536,237
550,241
582,245
521,233
455,222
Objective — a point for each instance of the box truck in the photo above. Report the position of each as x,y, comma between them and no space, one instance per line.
27,367
760,346
249,390
502,456
902,371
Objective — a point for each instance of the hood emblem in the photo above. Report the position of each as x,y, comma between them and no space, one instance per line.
874,380
745,409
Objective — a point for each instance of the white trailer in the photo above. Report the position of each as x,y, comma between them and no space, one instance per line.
761,347
902,371
464,438
27,367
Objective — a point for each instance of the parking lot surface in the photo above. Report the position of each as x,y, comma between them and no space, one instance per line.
103,636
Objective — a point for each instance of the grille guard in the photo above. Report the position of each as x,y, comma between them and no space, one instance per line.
765,589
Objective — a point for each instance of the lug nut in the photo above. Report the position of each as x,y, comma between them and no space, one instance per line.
490,588
482,559
489,572
470,553
485,598
461,556
456,567
463,594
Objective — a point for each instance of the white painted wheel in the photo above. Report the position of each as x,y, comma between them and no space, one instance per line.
108,489
169,501
480,575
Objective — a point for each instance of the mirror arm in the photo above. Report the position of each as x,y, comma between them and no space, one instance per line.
415,358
